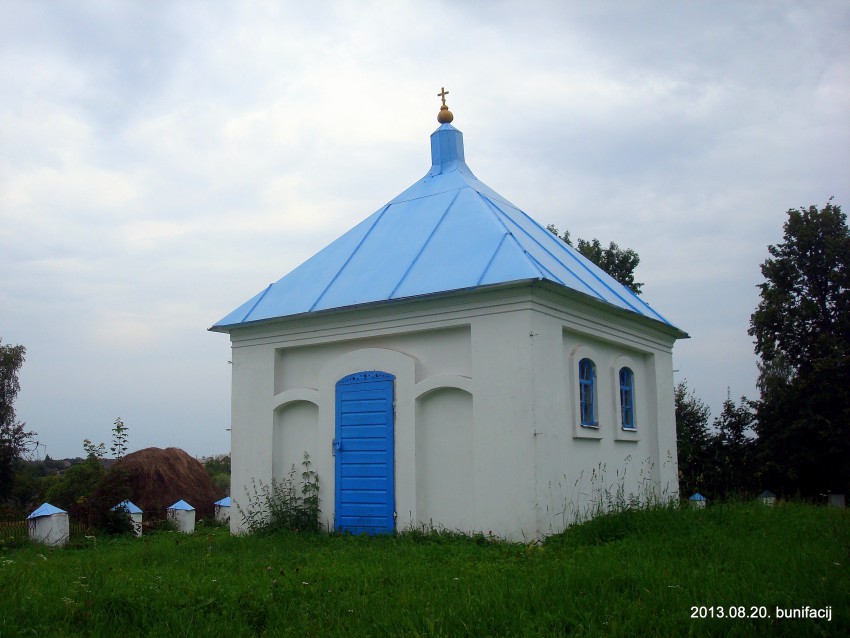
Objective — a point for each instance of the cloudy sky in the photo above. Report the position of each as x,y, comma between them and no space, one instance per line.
162,162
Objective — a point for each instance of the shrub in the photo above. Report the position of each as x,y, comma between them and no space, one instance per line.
281,505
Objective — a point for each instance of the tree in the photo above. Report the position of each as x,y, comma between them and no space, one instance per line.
618,262
77,488
802,334
218,467
14,438
88,491
693,441
733,447
119,439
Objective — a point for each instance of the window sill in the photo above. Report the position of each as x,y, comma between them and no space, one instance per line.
588,432
627,434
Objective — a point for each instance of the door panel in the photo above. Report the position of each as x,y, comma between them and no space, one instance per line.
365,489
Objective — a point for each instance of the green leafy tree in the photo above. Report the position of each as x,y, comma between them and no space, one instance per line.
693,441
618,262
733,470
88,491
78,487
802,334
218,467
15,440
94,452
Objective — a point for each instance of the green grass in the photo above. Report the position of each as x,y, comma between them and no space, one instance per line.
630,574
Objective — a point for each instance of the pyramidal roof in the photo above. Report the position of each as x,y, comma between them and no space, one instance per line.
128,505
46,509
181,505
447,232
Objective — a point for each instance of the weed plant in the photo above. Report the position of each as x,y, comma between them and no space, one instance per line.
283,505
596,495
628,573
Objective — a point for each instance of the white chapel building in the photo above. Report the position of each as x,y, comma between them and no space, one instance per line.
450,363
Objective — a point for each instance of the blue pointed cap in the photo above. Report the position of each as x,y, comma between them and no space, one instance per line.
224,502
46,509
181,505
697,497
447,232
129,506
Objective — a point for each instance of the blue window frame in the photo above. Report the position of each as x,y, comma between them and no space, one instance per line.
587,392
627,398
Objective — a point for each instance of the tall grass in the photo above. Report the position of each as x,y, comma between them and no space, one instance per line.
629,573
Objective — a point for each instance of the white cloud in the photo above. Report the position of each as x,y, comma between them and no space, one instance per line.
162,163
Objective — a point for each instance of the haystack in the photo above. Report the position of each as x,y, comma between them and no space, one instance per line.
160,477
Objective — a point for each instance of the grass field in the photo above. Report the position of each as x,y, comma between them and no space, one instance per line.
636,573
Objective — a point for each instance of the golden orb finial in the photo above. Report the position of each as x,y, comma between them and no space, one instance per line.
445,115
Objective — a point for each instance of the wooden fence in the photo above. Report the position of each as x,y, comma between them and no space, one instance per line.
15,531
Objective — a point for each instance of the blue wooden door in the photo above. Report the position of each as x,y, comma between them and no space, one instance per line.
365,488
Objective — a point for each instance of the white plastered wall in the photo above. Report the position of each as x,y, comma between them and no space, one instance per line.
486,433
271,433
579,468
50,530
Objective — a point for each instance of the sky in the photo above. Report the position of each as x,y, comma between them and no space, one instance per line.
162,162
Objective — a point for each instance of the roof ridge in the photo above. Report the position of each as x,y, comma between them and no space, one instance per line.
256,303
413,199
425,244
575,258
497,215
350,257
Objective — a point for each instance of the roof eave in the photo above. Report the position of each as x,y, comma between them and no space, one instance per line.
354,307
564,291
662,326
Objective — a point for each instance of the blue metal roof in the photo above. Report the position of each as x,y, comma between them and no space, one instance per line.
129,506
181,505
447,232
46,509
224,502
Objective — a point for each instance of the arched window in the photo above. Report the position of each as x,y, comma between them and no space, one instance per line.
627,398
587,392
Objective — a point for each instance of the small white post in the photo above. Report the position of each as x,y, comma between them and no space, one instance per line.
49,525
698,501
183,515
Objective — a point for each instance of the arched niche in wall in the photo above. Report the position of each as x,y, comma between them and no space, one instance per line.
445,459
295,432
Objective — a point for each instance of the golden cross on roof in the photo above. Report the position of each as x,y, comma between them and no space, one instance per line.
445,115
